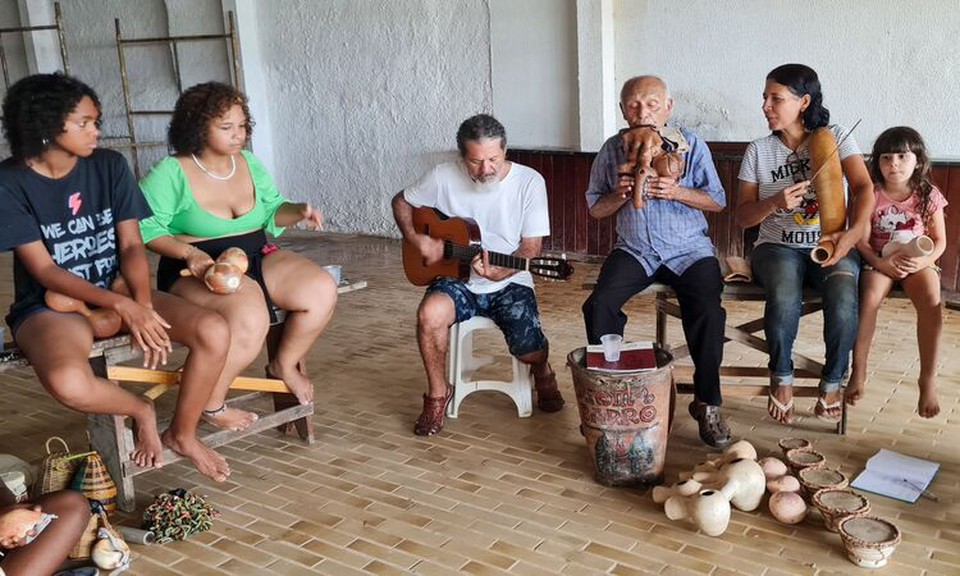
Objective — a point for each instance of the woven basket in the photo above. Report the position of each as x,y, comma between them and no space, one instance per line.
93,480
84,547
57,468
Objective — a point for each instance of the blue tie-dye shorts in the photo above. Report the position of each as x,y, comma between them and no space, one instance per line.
513,309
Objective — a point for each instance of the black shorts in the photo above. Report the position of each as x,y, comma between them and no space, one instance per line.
254,244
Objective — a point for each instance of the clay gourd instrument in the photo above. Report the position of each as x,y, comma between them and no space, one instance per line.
225,276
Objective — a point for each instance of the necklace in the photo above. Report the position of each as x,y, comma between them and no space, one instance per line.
233,168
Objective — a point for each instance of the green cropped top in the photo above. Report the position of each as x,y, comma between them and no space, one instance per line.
175,210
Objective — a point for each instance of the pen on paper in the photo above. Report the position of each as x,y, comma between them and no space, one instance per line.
923,492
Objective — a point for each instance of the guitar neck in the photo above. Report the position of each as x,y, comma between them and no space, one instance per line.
467,253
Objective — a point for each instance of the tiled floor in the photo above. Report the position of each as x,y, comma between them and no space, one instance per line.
497,494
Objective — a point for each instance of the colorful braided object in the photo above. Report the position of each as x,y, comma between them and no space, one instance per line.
178,514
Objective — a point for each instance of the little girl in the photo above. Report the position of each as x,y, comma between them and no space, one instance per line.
70,211
908,206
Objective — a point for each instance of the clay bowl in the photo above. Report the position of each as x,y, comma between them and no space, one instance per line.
814,478
868,540
835,504
788,444
800,458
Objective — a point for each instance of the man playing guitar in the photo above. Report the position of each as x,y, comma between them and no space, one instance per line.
508,202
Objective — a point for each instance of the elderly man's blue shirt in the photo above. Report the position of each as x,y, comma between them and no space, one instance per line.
664,232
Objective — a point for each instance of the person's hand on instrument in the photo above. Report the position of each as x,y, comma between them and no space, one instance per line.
843,241
198,262
888,267
908,265
482,267
791,196
430,248
663,188
626,185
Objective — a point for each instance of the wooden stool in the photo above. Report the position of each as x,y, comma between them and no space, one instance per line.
461,364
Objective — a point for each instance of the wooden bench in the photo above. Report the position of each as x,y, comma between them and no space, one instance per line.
113,439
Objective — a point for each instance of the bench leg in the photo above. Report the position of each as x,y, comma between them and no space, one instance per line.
111,438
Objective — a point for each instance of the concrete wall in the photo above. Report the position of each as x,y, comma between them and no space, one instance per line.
363,96
533,47
367,95
887,61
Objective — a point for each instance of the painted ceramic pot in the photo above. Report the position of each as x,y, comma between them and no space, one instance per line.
868,540
788,444
815,478
799,458
835,504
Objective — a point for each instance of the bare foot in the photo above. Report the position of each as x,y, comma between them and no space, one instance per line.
929,404
148,452
296,381
854,391
207,462
228,418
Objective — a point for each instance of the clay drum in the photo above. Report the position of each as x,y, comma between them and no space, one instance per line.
868,540
800,458
625,419
788,444
815,478
835,504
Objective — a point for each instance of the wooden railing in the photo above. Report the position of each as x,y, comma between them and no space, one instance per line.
575,233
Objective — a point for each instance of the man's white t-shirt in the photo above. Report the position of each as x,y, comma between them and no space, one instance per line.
768,163
517,209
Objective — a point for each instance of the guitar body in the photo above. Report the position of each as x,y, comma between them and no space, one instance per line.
433,223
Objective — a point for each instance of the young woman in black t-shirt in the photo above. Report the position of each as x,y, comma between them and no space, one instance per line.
70,212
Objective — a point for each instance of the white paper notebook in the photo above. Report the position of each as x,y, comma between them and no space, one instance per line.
895,475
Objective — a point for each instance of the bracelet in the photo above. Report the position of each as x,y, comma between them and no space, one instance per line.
190,251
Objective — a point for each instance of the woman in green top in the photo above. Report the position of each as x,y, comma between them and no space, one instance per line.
211,195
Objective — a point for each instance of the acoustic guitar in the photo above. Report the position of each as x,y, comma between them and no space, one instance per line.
461,244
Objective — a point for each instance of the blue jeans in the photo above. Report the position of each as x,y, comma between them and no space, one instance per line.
783,271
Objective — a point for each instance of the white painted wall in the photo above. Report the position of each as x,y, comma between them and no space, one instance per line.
533,62
888,61
367,95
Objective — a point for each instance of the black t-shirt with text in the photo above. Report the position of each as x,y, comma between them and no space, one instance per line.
75,217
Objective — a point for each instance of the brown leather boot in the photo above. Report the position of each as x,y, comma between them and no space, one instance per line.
549,398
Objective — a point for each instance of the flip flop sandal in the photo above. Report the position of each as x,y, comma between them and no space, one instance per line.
786,410
821,408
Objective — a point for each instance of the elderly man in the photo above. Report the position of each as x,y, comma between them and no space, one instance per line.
662,237
509,203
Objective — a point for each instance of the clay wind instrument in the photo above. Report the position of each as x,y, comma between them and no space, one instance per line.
914,247
226,274
828,182
652,152
105,322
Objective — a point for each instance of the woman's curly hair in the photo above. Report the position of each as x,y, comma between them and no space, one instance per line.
196,108
35,111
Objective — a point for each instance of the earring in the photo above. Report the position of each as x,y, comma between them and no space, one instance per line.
45,142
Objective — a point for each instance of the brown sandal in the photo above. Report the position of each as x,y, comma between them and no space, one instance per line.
431,419
549,398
